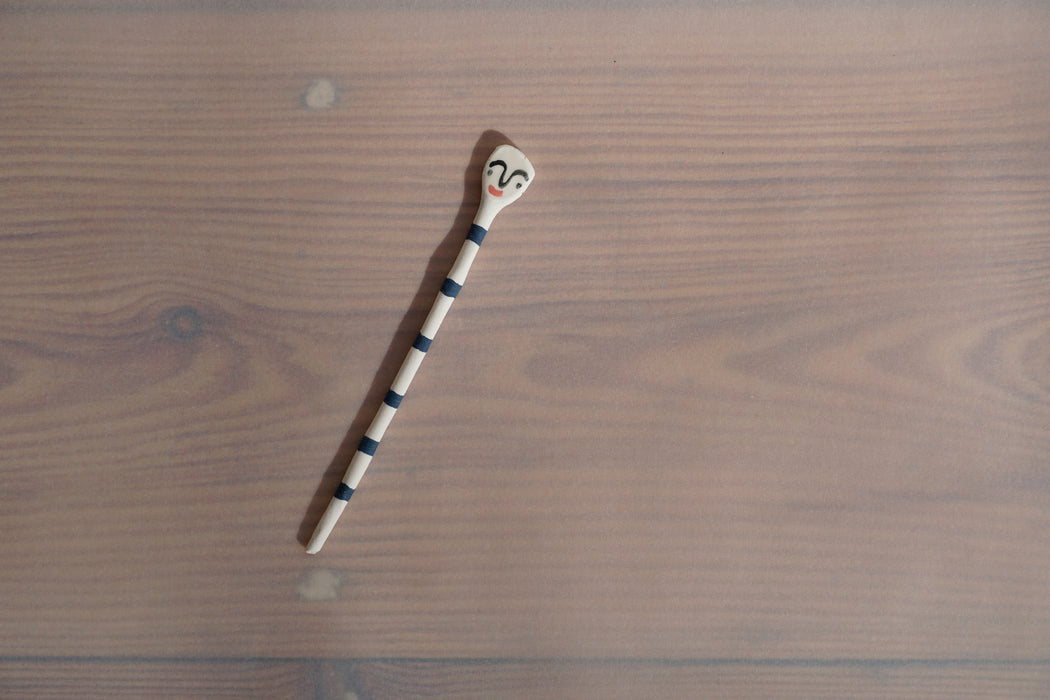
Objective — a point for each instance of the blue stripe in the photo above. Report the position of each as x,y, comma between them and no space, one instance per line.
393,399
422,343
476,234
450,288
368,445
343,492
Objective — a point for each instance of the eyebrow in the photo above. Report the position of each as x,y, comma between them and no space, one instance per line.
506,178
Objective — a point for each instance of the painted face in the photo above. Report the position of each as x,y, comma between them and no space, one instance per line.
507,174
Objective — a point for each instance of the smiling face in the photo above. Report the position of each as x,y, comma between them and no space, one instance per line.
507,174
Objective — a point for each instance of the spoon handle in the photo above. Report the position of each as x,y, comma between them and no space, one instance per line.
366,449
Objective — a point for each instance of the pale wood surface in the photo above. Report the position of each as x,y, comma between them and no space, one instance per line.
751,390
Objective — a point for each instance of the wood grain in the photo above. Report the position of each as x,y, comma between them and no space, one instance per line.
325,679
725,678
171,678
756,371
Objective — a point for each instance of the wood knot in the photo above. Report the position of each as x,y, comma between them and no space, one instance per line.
321,94
182,322
319,584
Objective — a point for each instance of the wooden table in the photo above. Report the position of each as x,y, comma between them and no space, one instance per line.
748,396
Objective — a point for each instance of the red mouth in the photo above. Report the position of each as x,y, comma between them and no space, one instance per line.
494,192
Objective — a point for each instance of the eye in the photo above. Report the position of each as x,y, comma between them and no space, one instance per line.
518,185
489,172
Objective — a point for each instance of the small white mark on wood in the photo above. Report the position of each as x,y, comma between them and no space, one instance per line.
319,584
321,94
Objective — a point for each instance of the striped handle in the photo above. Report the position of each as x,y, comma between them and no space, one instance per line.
367,447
